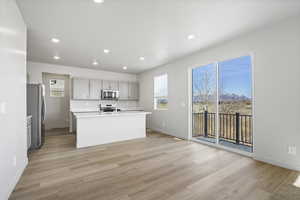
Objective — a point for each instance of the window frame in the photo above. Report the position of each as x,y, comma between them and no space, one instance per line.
63,91
155,97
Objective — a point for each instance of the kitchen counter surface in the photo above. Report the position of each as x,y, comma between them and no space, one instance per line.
108,114
93,110
84,110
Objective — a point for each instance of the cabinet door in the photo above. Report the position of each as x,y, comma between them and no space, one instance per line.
29,133
123,88
110,85
136,91
81,88
133,91
95,89
106,85
114,85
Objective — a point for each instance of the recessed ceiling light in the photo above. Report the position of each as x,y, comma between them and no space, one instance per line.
56,57
106,51
55,40
142,58
95,63
99,1
190,37
125,68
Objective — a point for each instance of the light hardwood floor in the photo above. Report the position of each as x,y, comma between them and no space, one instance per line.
155,168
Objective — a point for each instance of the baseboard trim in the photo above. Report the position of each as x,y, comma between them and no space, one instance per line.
252,155
277,163
16,179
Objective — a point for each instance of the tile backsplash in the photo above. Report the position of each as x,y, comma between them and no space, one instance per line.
94,104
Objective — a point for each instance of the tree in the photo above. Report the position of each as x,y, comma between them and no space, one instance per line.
204,89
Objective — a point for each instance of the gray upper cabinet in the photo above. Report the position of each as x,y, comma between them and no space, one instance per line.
110,85
81,88
114,85
90,89
124,90
95,89
133,91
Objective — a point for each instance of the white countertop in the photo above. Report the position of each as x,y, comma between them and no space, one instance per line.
84,110
108,114
92,110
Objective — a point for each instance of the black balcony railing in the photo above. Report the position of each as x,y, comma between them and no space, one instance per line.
235,128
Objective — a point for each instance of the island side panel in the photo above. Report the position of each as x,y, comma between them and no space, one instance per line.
93,131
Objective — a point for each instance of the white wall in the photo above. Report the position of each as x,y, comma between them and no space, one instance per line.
276,51
13,152
35,70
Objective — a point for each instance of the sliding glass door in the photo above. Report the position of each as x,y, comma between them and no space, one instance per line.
205,102
235,103
222,103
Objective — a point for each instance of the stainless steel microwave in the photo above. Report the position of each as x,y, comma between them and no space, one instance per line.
109,95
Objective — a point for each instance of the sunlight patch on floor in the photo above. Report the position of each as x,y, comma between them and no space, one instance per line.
176,138
297,182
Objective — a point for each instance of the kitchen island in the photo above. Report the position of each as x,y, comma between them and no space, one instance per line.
102,128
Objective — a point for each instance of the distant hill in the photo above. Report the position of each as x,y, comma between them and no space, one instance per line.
223,97
234,97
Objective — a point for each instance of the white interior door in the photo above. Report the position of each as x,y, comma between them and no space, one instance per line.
57,96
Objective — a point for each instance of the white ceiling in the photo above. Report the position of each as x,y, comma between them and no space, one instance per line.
154,29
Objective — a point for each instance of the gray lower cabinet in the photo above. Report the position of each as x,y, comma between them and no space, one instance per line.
29,131
95,89
81,88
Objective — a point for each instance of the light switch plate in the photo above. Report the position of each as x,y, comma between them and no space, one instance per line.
292,150
15,161
3,108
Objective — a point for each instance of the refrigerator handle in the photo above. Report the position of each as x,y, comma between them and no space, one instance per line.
43,103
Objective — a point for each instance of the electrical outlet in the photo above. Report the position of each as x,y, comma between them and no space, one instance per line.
164,124
292,150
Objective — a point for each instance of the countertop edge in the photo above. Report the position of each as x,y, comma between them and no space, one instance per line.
78,116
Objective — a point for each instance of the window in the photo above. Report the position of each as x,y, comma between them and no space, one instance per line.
57,88
161,92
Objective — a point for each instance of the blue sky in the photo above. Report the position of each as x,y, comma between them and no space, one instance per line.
234,76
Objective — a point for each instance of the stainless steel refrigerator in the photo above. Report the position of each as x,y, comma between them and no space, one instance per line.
36,108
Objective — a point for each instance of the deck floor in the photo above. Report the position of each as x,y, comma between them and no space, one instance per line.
158,167
226,143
